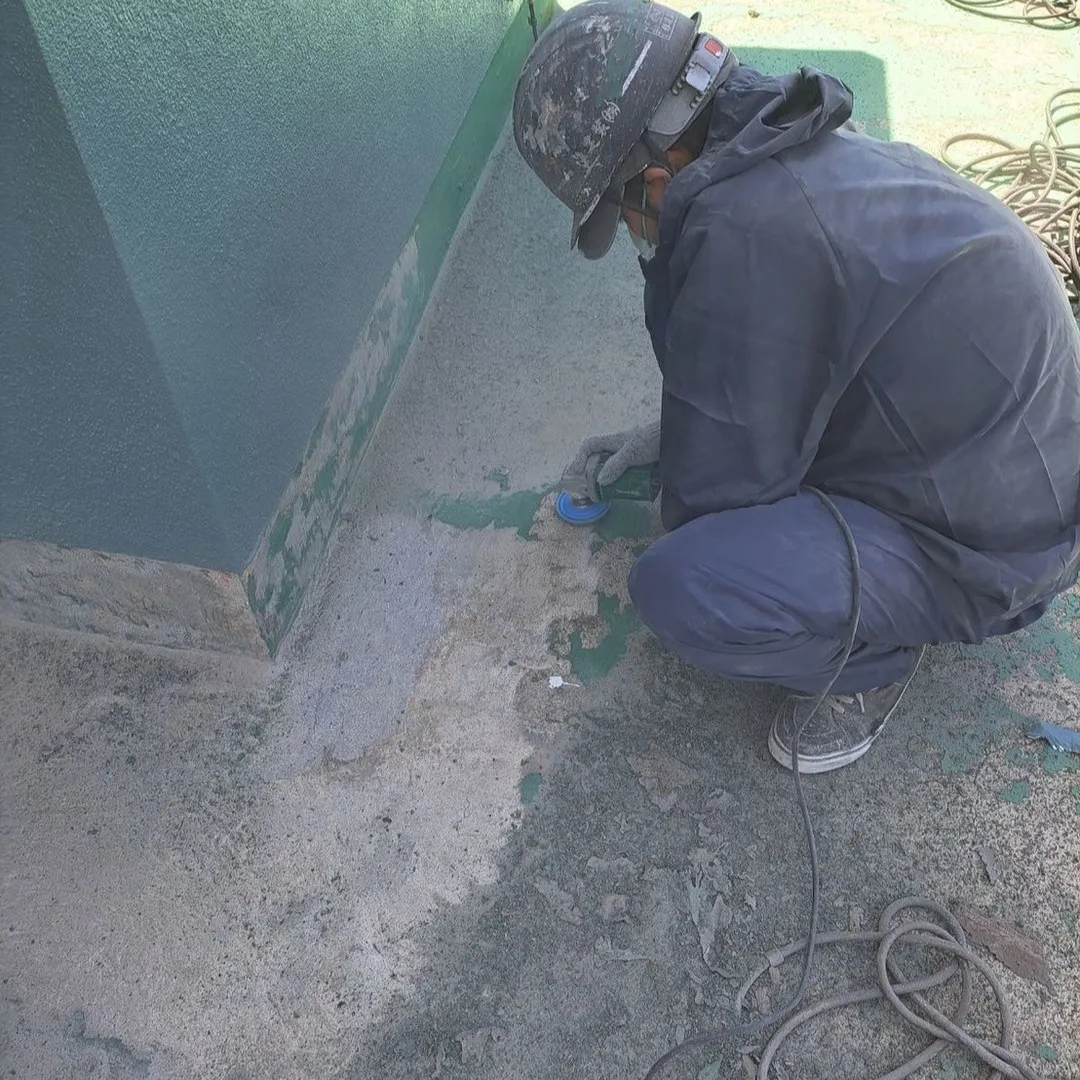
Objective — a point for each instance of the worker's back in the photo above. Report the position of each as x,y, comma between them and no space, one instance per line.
851,314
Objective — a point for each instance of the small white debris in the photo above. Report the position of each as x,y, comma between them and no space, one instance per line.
557,682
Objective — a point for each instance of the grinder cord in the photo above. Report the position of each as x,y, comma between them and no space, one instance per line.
892,984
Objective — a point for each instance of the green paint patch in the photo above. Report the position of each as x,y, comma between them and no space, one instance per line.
1017,792
592,662
279,533
516,510
1071,921
1046,651
626,520
1046,1053
324,482
500,477
316,435
963,748
1022,756
1059,761
530,787
1074,791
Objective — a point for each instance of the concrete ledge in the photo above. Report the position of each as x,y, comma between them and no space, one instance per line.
123,597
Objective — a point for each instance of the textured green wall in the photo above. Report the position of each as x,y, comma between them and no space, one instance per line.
218,193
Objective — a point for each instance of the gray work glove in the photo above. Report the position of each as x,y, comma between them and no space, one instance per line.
639,446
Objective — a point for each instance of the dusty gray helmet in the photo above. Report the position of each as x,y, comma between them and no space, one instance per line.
610,85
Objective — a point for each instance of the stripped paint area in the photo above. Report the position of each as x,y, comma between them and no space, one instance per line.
292,546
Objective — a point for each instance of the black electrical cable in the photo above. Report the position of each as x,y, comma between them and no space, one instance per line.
1039,183
755,1027
892,985
1048,14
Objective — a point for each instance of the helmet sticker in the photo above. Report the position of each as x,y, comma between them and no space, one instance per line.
660,22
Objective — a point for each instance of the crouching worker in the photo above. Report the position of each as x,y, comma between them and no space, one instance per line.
830,312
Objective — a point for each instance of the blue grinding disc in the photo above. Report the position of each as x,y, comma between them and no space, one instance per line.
575,514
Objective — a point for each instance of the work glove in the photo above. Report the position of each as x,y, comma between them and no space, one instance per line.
638,446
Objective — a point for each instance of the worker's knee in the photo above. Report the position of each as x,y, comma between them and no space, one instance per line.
656,587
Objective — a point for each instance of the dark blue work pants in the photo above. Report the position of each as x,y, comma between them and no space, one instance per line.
764,594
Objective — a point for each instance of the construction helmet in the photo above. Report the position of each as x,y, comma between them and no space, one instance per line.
608,88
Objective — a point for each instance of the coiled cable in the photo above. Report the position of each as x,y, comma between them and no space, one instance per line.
1040,183
1047,14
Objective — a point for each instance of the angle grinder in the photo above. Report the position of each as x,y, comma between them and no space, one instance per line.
575,504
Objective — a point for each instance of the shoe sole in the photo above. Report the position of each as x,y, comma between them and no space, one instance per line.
813,766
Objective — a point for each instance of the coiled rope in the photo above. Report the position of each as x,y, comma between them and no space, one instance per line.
1041,183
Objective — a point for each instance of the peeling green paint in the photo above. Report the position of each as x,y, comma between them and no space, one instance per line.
1055,762
626,520
1046,1053
324,482
516,510
530,788
1074,791
500,477
590,663
316,435
1017,792
1022,756
1047,650
279,533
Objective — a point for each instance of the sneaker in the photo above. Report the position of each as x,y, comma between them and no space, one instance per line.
841,731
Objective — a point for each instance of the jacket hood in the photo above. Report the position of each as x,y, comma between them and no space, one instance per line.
754,117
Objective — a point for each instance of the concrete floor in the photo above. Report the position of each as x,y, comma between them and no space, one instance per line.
393,853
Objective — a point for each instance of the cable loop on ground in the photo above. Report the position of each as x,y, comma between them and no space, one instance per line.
1047,14
907,996
1040,183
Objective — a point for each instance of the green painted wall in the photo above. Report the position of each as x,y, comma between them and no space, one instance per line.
204,203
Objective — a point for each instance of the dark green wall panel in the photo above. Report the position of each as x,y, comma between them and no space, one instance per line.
92,453
258,165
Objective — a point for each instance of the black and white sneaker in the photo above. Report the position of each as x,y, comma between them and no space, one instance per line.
842,730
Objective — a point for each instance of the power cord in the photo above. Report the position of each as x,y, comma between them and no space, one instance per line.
892,984
1047,14
1039,183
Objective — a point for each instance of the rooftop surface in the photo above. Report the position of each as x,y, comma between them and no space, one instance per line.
400,851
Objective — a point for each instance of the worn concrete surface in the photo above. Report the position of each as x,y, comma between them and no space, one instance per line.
400,852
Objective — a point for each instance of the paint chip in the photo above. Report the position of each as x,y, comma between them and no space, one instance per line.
661,776
615,908
1018,951
561,903
989,861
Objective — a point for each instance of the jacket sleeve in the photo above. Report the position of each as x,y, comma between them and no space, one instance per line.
755,351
